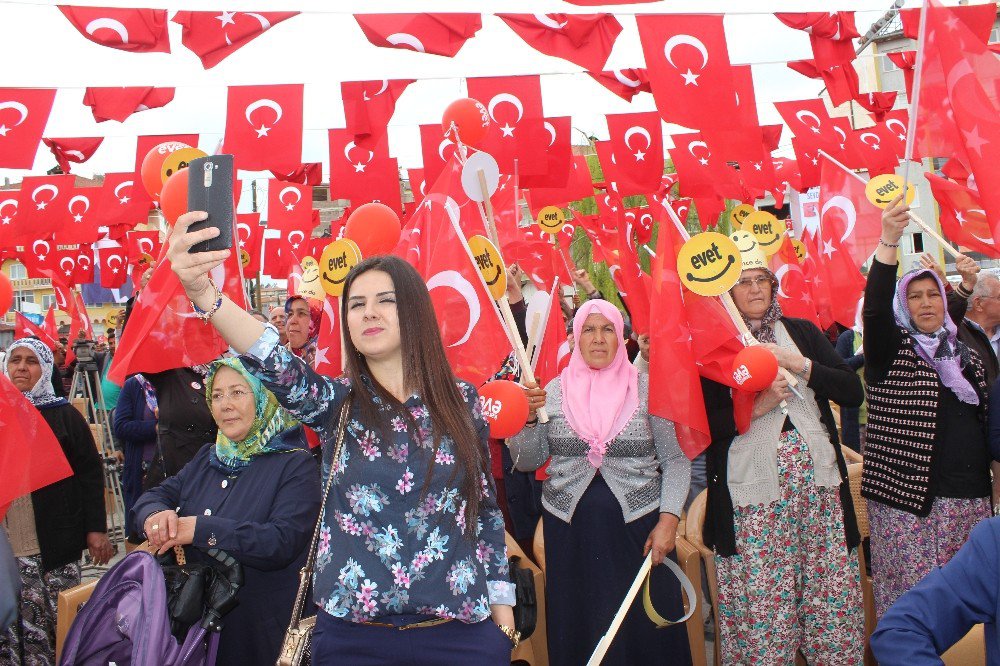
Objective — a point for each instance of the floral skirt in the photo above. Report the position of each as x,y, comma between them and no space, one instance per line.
793,584
905,547
31,639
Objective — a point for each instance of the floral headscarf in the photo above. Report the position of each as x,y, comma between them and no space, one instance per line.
232,457
42,394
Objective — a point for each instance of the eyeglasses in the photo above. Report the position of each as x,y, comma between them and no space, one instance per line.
236,395
760,281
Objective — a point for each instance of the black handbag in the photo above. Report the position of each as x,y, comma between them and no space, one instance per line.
526,608
200,591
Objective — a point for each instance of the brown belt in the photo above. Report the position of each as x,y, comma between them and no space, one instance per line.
416,625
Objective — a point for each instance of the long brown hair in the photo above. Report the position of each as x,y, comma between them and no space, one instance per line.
426,371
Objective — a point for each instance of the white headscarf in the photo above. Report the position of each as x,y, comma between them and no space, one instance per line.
42,394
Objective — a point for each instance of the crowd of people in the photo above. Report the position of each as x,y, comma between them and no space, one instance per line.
412,497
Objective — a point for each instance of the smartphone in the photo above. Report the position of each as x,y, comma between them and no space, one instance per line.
210,188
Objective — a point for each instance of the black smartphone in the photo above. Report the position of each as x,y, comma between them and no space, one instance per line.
210,188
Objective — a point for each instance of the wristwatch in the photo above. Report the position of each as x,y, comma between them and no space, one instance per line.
806,367
513,634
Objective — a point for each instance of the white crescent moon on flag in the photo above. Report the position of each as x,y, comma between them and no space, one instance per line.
441,146
120,185
291,237
17,106
808,114
109,23
646,221
779,274
330,314
264,23
626,81
6,202
45,188
846,205
612,271
902,127
877,138
988,241
691,147
843,134
34,247
406,39
385,86
351,146
113,257
510,99
142,245
75,153
293,190
641,131
688,40
79,197
83,260
548,22
240,228
72,264
552,132
262,103
456,281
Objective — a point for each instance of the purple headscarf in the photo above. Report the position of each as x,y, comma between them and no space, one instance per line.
941,348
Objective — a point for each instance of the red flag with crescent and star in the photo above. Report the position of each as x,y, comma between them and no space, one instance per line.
120,103
328,345
23,115
42,206
845,212
830,33
368,107
123,200
114,265
84,271
558,154
363,175
250,235
76,150
440,34
793,294
636,141
626,83
517,128
436,150
582,39
288,204
963,219
135,30
24,327
214,36
264,126
82,218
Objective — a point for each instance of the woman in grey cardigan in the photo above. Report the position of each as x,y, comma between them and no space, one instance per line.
616,487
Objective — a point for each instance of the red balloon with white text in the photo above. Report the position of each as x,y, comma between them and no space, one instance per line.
754,368
505,407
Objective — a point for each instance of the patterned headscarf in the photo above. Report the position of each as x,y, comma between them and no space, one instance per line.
270,419
941,349
308,350
773,313
42,394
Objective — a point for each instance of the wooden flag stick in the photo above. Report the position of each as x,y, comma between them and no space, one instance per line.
536,319
491,226
945,245
605,643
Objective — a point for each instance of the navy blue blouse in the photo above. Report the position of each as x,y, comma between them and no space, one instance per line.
386,549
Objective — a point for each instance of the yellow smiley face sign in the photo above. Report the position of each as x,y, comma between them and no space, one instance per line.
179,159
766,229
335,263
881,190
709,264
800,249
309,285
551,219
244,257
490,265
745,241
739,215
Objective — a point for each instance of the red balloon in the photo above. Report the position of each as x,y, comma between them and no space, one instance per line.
174,197
505,407
754,368
469,117
6,294
374,227
152,163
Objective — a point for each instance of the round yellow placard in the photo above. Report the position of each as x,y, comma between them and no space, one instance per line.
709,264
881,190
179,159
800,249
244,257
490,264
309,284
766,229
335,263
739,215
551,219
745,241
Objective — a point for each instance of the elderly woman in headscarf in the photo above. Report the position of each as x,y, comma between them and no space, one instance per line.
926,473
50,527
253,493
616,487
779,513
302,321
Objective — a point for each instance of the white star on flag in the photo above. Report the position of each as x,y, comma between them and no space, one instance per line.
321,356
690,78
828,249
124,200
507,130
78,218
974,141
639,156
226,18
42,205
262,131
3,130
359,167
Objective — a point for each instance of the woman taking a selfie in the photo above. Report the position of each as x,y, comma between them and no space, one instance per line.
411,556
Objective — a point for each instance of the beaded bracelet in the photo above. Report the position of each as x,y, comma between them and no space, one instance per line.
205,315
888,244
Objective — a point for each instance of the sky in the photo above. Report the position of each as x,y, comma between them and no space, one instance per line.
40,48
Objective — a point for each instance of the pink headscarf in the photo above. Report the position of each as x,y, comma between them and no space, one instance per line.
599,403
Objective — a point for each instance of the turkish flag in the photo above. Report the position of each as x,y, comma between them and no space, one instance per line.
807,158
905,60
23,115
77,150
288,204
877,103
275,259
742,138
308,173
810,123
963,219
123,201
536,258
23,468
794,294
65,298
363,175
517,129
841,81
892,130
978,19
49,325
637,143
626,83
474,337
136,30
296,237
42,205
84,272
163,332
214,36
264,126
120,103
24,327
583,39
63,263
506,210
630,279
418,184
674,381
250,235
702,173
440,34
141,243
328,359
368,107
830,33
548,360
81,320
559,156
688,65
114,265
578,186
82,217
436,150
9,227
878,159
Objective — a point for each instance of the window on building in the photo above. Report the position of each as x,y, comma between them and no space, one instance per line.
18,271
887,64
48,300
23,297
994,35
918,243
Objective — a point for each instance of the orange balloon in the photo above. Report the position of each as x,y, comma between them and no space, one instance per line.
469,117
6,294
505,407
374,227
152,164
174,197
754,368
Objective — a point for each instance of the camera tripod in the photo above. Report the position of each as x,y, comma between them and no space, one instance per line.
86,385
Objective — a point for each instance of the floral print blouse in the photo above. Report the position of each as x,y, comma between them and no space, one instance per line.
385,548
